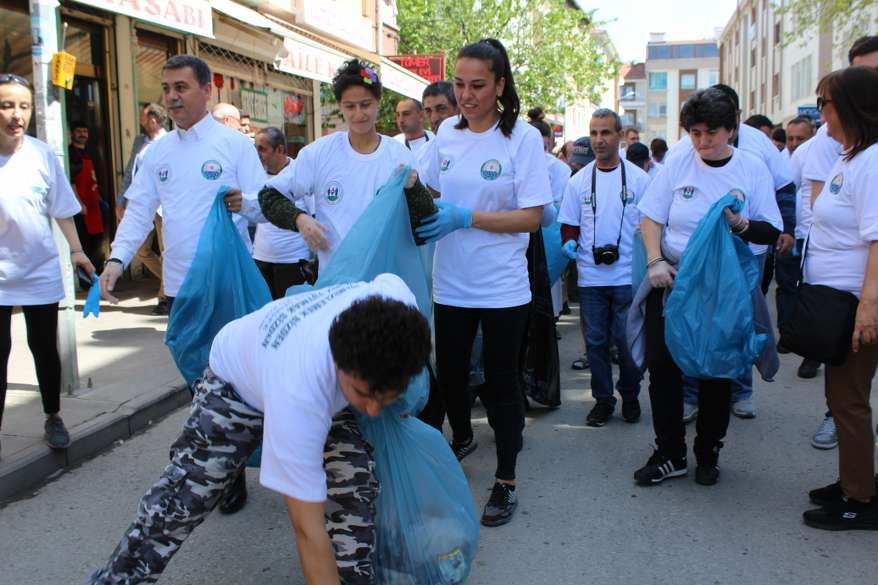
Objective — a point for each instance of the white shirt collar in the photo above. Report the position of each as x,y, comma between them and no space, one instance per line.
198,130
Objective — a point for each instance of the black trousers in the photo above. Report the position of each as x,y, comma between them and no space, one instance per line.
41,324
503,332
666,396
280,277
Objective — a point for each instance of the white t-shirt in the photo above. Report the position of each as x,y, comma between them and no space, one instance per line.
486,171
822,157
342,181
576,210
803,189
279,362
274,244
416,144
559,174
845,223
687,187
182,173
34,188
754,141
654,169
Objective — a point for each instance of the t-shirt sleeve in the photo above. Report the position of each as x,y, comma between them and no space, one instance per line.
428,166
61,202
866,199
656,201
531,182
778,165
762,202
569,213
821,158
300,183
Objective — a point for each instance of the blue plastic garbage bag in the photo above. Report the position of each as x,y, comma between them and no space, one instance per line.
709,327
556,261
427,528
638,261
93,299
222,284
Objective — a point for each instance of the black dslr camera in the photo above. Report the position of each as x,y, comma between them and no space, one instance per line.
608,254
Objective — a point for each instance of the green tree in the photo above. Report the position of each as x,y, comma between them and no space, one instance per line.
555,56
847,19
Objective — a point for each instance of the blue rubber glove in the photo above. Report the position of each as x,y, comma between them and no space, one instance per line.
449,218
93,300
569,249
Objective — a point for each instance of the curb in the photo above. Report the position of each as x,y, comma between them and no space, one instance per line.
39,464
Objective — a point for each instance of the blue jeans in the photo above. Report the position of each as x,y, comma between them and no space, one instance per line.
742,388
604,310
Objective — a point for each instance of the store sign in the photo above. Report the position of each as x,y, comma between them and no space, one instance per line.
191,16
810,112
430,66
255,103
342,19
401,80
307,60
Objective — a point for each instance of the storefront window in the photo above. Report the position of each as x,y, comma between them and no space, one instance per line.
152,52
15,32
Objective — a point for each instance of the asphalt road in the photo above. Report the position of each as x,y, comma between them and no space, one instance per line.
581,518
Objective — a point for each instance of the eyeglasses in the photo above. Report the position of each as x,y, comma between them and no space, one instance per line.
821,103
13,78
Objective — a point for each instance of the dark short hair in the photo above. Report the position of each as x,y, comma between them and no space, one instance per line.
438,88
800,120
494,54
356,73
658,146
157,113
537,119
709,106
418,105
200,69
77,124
608,113
863,46
630,129
382,341
759,121
852,91
729,93
275,136
779,134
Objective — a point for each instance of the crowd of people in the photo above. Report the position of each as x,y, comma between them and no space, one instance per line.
482,180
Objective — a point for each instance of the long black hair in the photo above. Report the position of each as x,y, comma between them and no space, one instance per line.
494,53
852,91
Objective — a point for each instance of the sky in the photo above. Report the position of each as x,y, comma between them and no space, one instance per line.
629,22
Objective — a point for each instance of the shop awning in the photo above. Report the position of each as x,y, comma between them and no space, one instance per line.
401,80
189,16
244,14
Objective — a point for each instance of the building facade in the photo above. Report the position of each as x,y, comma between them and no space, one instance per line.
632,96
674,71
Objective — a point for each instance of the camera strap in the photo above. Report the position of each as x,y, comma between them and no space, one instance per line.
623,195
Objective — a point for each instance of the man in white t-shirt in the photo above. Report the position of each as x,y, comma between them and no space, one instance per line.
365,342
410,121
598,218
282,255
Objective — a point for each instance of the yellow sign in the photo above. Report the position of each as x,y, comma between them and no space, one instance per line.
63,69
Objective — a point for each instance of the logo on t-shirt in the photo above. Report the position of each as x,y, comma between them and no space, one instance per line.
688,192
445,165
491,169
333,193
163,174
211,170
737,194
836,184
39,190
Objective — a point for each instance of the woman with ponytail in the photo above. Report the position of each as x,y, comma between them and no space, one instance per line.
489,169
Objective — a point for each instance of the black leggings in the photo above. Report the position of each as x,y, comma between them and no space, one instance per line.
503,332
666,396
41,322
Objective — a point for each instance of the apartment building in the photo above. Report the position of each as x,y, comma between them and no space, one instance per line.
632,95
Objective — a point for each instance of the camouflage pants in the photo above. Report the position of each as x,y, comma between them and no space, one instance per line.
218,437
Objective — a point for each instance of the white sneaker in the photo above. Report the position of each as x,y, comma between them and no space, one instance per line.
690,412
744,409
826,436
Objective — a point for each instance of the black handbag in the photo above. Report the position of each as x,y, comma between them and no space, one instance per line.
822,324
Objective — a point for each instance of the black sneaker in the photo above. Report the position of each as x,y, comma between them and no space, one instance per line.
600,414
706,474
161,308
844,515
501,505
631,410
808,369
56,433
659,468
461,450
830,494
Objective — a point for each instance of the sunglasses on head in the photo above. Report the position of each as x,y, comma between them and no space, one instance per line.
13,78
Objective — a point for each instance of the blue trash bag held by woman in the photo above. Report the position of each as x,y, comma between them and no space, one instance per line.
427,529
222,284
709,327
555,258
